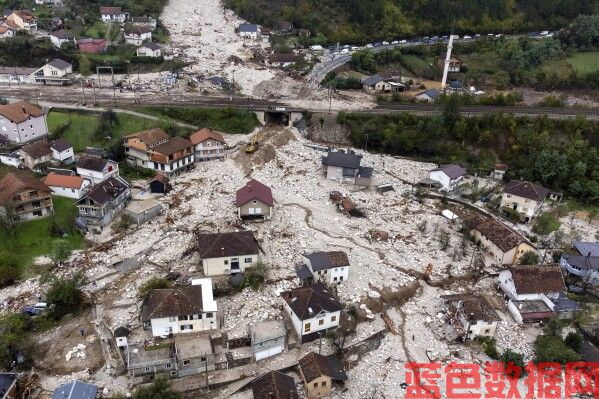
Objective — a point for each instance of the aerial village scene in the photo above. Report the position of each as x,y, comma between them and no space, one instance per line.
369,199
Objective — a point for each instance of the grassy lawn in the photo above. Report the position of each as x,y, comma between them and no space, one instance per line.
97,30
585,62
34,238
81,131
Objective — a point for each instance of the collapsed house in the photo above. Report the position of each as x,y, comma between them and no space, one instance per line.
472,316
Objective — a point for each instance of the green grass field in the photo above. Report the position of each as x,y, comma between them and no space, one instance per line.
97,30
585,62
34,238
82,130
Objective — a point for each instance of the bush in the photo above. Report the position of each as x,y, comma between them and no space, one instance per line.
124,223
152,284
489,347
65,295
573,340
509,356
529,258
551,348
160,389
254,276
9,270
60,251
546,224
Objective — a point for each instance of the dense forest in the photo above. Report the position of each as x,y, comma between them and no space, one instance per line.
560,154
359,21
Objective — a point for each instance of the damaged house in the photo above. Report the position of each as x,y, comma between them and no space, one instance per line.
23,197
313,311
180,310
536,293
330,267
472,316
344,167
448,176
227,253
194,354
267,338
503,244
274,385
102,203
525,198
318,373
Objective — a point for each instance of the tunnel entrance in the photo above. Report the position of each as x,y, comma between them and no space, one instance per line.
276,118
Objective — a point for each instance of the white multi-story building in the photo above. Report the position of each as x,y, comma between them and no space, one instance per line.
327,267
181,310
313,311
96,169
22,122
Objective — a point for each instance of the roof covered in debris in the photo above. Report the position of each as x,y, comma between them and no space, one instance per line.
473,307
498,233
106,191
307,302
218,245
274,385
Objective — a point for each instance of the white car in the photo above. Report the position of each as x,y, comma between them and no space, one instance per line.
385,43
369,45
544,33
394,42
355,48
345,51
404,41
498,35
467,37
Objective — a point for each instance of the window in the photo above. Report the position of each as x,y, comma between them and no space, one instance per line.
203,359
226,262
248,260
172,319
320,322
208,315
333,318
315,385
323,384
167,366
147,368
186,362
334,278
307,327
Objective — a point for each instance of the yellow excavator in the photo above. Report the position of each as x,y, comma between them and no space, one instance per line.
253,145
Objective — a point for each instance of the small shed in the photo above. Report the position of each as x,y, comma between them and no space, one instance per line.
160,184
120,335
142,211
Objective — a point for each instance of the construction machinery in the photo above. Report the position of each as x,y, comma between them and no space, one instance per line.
253,145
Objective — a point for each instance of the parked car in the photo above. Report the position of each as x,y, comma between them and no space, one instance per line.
394,42
385,43
36,309
404,41
466,37
369,45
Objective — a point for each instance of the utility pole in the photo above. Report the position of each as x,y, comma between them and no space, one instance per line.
207,386
83,90
320,343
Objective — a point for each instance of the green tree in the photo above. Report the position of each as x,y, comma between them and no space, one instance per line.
152,284
546,224
364,61
254,276
9,269
65,295
160,389
60,250
509,356
85,66
573,340
451,111
529,258
551,348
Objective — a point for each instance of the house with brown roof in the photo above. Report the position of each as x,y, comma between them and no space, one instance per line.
499,171
471,315
23,20
227,253
313,311
209,144
16,75
36,153
67,186
91,45
156,150
180,310
7,29
96,169
536,293
160,184
330,267
113,14
318,373
137,34
254,201
524,197
502,243
274,385
99,206
23,197
22,122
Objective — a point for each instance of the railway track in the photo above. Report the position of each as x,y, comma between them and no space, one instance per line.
490,109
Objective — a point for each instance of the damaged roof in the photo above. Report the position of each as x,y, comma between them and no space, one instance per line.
274,385
526,190
37,150
254,190
327,260
171,302
474,307
537,279
498,233
314,365
106,191
218,245
17,181
307,302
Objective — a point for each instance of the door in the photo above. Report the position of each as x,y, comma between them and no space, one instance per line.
234,265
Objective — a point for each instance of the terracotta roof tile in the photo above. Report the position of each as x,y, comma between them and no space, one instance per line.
37,150
172,146
20,111
274,385
498,233
150,137
56,180
538,279
254,190
526,190
313,366
17,181
170,302
474,308
205,134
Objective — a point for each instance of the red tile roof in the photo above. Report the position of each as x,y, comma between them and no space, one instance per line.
205,134
56,180
254,190
110,10
20,111
16,182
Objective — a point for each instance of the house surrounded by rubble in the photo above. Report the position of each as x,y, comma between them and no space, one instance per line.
209,144
344,167
99,206
503,244
536,293
330,267
254,201
267,338
274,385
471,315
180,310
313,311
584,264
318,373
227,253
449,176
524,197
149,361
194,354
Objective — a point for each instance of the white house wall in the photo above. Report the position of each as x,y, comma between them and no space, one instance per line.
217,266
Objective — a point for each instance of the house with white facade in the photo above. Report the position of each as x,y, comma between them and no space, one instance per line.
62,151
583,264
14,75
267,338
227,253
330,267
149,50
209,144
428,96
22,20
536,293
524,197
113,14
56,72
60,37
13,159
67,186
504,245
96,169
249,31
7,30
313,311
471,315
22,122
254,201
344,167
102,203
137,34
449,176
180,310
